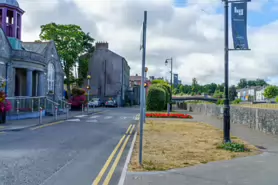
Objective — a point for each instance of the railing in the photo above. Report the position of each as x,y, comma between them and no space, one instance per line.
23,104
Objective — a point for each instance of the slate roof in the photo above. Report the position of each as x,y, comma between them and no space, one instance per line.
37,47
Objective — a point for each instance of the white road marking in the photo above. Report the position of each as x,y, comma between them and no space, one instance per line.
92,117
73,120
107,117
123,117
80,116
92,121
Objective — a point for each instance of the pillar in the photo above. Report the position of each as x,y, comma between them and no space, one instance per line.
29,82
41,84
4,22
15,24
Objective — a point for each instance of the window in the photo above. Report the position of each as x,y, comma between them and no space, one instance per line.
51,77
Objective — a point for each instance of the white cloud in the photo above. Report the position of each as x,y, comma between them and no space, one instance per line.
192,35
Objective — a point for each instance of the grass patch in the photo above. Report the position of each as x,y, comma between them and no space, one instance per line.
177,143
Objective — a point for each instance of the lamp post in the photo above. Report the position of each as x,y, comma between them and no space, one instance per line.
171,72
88,90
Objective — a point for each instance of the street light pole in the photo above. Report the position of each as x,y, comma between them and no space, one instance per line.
171,80
226,118
88,90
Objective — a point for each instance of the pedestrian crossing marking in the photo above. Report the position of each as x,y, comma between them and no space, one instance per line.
80,116
92,121
107,117
92,117
73,120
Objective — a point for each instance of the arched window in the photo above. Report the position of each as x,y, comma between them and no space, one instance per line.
51,76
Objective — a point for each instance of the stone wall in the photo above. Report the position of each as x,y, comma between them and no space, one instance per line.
265,120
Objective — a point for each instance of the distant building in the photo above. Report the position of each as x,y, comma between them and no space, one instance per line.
110,74
179,82
176,80
254,93
135,83
151,78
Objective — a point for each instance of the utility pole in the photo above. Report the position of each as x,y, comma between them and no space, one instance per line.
142,89
237,46
226,118
171,80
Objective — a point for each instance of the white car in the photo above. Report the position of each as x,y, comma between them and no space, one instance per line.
95,102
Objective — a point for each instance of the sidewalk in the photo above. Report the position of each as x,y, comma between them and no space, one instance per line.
18,125
254,170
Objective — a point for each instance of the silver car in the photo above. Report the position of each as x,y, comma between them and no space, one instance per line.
111,103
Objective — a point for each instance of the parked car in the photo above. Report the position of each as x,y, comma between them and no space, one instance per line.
111,103
96,102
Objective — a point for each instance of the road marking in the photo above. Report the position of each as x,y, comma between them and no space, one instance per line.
137,117
123,117
115,164
109,160
107,117
92,121
94,117
128,158
46,125
73,120
80,116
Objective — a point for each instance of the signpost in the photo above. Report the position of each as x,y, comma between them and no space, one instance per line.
142,88
239,32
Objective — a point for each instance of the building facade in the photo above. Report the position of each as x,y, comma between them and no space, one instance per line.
176,80
110,74
30,68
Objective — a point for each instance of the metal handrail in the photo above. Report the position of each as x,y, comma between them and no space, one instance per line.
55,103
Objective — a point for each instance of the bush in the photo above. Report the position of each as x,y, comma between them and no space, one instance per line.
167,90
220,102
156,98
236,101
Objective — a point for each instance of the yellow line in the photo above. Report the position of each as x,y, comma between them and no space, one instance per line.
46,125
109,160
114,166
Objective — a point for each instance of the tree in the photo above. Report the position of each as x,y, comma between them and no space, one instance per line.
271,91
242,83
71,42
232,93
260,82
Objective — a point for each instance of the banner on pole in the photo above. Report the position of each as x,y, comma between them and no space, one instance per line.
239,25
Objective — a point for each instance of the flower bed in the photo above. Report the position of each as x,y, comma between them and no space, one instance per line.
171,115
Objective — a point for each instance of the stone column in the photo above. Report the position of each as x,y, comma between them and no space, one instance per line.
4,22
41,84
15,24
29,82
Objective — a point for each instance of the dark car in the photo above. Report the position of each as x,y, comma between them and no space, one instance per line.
111,103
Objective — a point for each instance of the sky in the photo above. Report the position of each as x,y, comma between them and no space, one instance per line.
189,31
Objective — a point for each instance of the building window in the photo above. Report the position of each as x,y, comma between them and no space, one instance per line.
51,77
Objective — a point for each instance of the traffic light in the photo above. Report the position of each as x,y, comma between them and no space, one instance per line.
145,85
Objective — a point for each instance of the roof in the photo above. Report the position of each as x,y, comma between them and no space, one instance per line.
37,47
134,78
10,2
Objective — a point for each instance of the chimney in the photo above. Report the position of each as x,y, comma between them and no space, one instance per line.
102,45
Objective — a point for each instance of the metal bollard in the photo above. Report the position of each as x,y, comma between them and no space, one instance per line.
40,116
56,113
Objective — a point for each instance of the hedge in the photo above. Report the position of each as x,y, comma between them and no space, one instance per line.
167,90
156,98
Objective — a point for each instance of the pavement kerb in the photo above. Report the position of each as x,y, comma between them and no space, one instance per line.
35,125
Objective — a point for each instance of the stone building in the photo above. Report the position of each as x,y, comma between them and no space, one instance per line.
31,68
110,74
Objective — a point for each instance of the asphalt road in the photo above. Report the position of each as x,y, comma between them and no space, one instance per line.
74,152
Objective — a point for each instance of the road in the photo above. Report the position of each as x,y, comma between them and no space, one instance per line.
74,152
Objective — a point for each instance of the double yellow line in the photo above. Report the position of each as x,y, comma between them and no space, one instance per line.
124,139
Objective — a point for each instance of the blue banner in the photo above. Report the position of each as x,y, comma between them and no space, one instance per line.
239,25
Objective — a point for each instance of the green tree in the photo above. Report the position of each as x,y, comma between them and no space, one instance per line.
181,89
71,42
242,83
218,94
260,82
271,91
232,93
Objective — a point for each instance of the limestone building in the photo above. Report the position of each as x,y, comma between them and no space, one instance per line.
31,68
